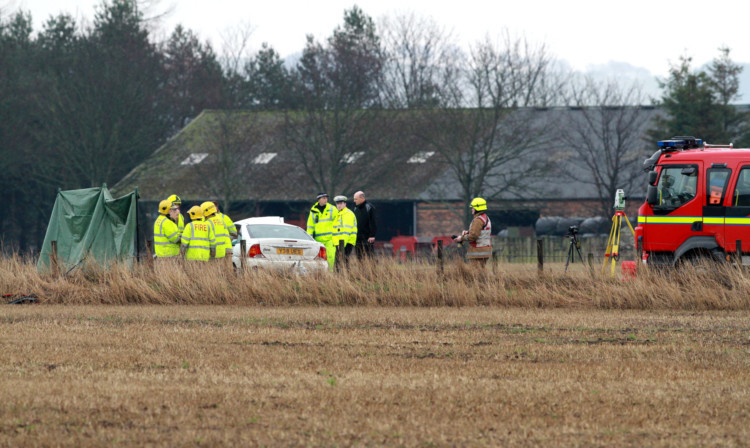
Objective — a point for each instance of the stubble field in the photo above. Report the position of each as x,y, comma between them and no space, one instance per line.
81,375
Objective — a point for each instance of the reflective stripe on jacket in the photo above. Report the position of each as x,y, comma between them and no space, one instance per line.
345,228
229,224
199,239
221,234
479,237
181,224
320,225
166,237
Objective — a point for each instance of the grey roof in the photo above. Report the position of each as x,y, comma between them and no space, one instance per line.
382,171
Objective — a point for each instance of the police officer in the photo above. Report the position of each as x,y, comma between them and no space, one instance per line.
344,229
198,240
166,233
320,225
479,234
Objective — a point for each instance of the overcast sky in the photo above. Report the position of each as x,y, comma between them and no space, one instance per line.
585,33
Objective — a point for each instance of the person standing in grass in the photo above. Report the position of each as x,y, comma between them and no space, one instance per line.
174,199
198,240
479,234
366,228
217,226
344,229
166,233
320,225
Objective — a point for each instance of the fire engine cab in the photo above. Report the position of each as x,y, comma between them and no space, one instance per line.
697,203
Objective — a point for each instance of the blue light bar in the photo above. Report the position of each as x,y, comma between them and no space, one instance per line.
685,143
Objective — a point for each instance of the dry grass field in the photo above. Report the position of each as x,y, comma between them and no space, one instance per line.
382,355
372,376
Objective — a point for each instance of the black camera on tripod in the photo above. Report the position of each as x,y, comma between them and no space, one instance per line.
572,230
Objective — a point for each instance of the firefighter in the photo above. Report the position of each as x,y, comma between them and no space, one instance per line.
198,241
166,233
344,229
228,223
174,199
217,225
478,235
320,225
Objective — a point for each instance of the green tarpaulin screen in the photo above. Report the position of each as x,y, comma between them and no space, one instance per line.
90,225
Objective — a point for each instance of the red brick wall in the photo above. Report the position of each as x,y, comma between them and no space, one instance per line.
435,219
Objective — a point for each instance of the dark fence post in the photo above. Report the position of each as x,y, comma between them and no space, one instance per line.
739,253
339,262
590,259
53,258
441,269
540,255
243,254
149,254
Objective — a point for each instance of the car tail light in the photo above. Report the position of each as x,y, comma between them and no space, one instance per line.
254,251
322,253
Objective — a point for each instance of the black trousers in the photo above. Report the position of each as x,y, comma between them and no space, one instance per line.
364,249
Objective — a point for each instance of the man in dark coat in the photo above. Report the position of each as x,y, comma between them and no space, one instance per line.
365,213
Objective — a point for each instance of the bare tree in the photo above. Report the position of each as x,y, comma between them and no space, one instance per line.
416,51
486,130
603,135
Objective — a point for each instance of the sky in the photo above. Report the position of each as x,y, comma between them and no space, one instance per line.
587,34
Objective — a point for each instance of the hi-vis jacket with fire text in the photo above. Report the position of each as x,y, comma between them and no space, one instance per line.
221,234
320,223
345,228
479,237
166,237
199,239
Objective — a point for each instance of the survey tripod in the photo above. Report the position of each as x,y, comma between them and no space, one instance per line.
574,244
613,242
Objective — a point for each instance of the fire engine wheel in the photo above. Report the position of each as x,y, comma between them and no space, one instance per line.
705,267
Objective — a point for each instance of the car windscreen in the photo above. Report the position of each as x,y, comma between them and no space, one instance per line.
276,231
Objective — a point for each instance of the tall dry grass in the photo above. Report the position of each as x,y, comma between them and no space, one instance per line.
384,282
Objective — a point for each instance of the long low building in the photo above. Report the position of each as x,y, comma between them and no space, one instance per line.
250,161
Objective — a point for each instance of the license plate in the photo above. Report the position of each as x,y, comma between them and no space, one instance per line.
288,251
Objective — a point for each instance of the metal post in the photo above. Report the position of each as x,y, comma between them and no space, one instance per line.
540,255
590,259
441,268
339,261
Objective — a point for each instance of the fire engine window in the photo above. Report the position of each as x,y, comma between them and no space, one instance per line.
677,186
741,196
716,185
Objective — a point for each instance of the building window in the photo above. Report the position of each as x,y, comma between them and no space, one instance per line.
351,157
421,157
195,158
264,157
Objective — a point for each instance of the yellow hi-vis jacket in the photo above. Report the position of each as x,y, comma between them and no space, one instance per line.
221,234
181,223
231,228
345,228
199,239
166,237
320,224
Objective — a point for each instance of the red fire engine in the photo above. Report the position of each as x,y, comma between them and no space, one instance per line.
697,203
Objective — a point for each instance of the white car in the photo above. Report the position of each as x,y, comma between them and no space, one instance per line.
269,243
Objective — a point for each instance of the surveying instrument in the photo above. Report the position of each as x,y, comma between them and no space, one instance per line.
613,242
574,243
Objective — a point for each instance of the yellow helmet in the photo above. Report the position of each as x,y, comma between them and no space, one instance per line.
175,199
479,204
208,208
164,206
195,212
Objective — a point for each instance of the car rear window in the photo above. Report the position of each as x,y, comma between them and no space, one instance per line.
276,231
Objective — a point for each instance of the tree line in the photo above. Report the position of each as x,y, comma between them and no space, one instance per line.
82,104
